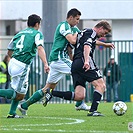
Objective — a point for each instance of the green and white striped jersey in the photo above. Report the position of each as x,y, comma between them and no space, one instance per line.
60,42
24,44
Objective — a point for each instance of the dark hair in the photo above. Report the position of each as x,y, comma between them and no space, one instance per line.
33,19
73,12
104,24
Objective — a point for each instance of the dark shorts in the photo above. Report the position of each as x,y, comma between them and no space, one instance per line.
80,77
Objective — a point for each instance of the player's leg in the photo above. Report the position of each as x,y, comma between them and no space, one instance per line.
79,97
98,92
80,84
7,93
67,95
38,95
33,99
41,94
14,103
19,82
77,67
10,94
55,76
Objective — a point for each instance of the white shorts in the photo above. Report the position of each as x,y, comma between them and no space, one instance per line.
58,69
19,72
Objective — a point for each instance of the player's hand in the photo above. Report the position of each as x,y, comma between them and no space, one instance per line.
86,66
110,45
46,69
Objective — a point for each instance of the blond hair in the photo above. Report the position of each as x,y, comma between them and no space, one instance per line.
104,24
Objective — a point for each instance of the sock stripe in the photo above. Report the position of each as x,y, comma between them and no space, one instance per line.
73,95
14,95
98,92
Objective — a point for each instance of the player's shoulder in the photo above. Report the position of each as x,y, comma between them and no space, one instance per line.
75,28
61,23
89,32
62,27
39,32
64,24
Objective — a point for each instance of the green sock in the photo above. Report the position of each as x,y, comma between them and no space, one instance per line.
13,107
78,103
7,93
34,98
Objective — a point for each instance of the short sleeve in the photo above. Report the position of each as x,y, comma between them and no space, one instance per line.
65,29
88,42
39,39
10,45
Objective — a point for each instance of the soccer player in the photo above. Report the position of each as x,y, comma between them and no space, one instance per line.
60,64
84,68
22,49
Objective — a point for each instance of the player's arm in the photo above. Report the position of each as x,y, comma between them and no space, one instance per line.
87,50
107,45
10,48
70,52
41,52
66,32
71,38
42,55
10,52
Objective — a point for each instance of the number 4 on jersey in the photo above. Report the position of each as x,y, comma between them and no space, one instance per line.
20,43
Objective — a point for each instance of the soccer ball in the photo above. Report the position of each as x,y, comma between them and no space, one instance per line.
119,108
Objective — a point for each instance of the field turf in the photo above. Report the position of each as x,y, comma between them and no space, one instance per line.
63,118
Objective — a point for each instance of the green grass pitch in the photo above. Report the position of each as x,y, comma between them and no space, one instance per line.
63,118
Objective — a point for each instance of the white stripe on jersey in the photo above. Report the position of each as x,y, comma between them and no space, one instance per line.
10,45
91,63
63,31
93,34
37,40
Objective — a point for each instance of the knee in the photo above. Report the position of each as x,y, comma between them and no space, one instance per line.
104,87
101,88
79,93
79,96
19,97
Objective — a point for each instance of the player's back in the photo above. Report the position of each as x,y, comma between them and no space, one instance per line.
24,46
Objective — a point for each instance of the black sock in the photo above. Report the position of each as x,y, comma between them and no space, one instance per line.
67,95
96,100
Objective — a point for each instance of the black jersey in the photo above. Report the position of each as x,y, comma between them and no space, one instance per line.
85,37
80,76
